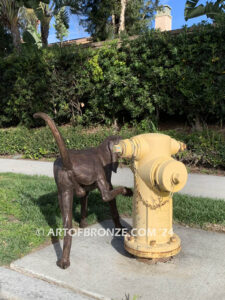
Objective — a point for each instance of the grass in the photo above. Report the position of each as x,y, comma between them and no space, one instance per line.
28,203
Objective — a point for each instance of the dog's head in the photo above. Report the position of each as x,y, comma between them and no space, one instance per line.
112,158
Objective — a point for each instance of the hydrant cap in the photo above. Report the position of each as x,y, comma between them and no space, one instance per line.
171,176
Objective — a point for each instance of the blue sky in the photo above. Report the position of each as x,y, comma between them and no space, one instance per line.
77,31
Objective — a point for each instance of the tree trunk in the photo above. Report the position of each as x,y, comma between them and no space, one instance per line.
44,33
198,125
115,124
16,36
114,23
122,16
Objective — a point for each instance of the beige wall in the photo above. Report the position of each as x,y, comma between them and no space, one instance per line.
163,19
163,23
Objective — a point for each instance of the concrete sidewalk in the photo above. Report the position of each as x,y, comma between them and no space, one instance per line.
197,185
17,286
102,269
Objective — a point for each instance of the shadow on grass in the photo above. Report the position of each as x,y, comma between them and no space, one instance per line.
49,208
97,209
97,212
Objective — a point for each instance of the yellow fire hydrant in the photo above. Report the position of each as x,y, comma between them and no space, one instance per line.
156,177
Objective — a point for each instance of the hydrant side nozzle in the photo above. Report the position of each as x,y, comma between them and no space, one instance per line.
177,146
171,175
182,146
125,148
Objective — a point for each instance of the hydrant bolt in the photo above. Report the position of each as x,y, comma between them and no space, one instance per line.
152,243
173,239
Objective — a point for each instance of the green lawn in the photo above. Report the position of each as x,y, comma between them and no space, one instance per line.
30,202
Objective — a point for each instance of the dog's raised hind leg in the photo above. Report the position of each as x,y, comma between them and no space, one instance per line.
109,194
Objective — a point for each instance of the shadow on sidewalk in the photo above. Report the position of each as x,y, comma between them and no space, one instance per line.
117,241
97,211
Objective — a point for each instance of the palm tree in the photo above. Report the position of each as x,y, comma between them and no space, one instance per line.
29,24
61,29
9,17
28,18
45,12
210,9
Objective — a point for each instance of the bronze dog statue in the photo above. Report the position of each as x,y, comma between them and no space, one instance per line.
79,172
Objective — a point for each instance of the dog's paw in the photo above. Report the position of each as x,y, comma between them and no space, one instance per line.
127,192
63,264
83,224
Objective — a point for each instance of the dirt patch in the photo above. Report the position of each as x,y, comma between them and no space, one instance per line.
206,226
92,130
215,227
154,261
47,159
201,170
12,219
173,125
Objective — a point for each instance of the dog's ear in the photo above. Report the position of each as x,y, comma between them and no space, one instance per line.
114,156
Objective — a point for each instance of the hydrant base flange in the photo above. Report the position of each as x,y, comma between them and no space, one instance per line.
157,251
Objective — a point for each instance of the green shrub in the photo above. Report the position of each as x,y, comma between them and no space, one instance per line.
6,44
182,74
37,143
24,87
144,80
205,148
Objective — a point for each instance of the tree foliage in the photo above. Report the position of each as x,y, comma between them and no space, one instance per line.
5,41
102,17
139,15
61,26
210,9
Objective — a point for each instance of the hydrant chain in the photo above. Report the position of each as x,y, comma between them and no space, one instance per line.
146,202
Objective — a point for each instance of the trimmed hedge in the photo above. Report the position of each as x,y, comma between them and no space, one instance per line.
154,76
205,148
39,142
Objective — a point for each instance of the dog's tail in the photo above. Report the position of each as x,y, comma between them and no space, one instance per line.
58,138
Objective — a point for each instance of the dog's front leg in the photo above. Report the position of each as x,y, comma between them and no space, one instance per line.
66,204
83,212
115,214
114,210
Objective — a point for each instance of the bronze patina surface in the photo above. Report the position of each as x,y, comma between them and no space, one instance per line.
79,172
